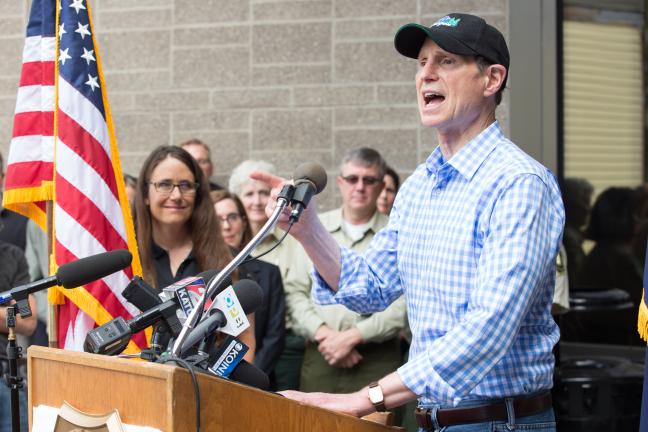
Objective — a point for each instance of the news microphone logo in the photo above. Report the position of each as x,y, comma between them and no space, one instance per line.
229,304
229,355
187,292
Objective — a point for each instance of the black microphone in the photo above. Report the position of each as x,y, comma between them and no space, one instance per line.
226,361
310,179
145,297
249,294
248,374
113,337
140,294
70,275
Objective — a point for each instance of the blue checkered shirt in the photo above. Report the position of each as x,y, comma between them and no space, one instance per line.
472,243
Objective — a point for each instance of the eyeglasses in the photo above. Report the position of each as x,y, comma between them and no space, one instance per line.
166,187
369,181
231,218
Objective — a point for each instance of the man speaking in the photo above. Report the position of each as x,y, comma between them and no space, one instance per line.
471,241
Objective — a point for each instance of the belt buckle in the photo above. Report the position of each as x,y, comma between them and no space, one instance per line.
423,417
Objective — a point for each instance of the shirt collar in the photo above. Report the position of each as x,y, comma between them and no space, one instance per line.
334,223
470,157
158,252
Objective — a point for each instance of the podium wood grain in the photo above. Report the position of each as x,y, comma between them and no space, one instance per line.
162,396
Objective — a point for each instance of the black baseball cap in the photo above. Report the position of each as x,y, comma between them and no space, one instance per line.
457,33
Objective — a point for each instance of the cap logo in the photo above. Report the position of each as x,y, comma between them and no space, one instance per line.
447,21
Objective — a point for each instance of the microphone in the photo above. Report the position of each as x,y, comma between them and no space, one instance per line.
113,337
189,291
227,362
249,295
248,374
144,297
310,179
70,275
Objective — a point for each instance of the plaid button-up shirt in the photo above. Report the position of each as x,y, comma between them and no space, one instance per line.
472,243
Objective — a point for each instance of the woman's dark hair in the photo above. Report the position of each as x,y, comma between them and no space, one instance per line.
613,218
209,248
220,195
389,171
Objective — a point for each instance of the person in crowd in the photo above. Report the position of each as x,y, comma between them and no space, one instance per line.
16,231
612,264
174,216
287,254
269,318
388,194
471,241
641,237
577,197
202,153
348,349
252,193
15,224
13,273
130,184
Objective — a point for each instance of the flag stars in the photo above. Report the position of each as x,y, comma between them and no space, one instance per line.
88,56
92,82
77,5
83,30
63,55
62,29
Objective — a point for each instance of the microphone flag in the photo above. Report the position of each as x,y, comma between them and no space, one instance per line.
229,304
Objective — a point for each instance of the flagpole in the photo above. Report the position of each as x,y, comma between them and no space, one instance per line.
52,331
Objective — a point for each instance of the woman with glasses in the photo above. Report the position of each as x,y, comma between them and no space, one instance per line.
270,316
174,214
388,194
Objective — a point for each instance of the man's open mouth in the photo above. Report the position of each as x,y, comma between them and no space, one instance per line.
432,98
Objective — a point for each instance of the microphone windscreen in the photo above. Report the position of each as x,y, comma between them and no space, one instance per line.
209,275
313,173
141,295
249,294
250,375
89,269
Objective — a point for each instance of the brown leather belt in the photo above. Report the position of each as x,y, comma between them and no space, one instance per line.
482,413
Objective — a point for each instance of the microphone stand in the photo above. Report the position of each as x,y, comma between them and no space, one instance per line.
282,201
14,382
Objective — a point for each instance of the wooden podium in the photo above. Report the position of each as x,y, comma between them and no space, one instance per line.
162,396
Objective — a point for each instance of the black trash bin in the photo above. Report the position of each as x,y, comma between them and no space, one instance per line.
600,316
598,394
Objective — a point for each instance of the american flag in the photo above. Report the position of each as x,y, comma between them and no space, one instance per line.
91,212
28,182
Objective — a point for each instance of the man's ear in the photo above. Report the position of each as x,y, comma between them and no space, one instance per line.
495,74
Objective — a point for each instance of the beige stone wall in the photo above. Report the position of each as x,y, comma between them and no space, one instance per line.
284,80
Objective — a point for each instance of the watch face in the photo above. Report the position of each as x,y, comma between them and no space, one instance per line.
375,394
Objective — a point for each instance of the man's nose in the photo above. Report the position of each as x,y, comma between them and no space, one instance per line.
428,72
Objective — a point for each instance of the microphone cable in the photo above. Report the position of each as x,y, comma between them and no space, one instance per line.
194,380
252,258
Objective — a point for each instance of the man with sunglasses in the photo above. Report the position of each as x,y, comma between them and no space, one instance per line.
471,242
346,349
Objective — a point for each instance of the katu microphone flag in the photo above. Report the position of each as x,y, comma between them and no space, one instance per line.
64,149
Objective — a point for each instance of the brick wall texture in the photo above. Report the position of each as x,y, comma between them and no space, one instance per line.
283,80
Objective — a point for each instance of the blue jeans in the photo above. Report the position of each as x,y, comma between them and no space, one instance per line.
5,408
541,422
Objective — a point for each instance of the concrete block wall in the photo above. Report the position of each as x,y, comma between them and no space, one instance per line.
283,80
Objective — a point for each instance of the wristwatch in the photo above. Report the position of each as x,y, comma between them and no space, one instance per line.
376,397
